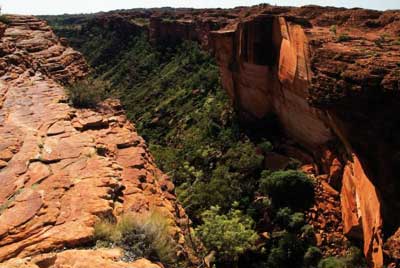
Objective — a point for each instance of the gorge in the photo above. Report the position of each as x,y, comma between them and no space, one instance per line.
312,89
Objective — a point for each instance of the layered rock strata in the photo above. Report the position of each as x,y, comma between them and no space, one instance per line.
330,75
62,169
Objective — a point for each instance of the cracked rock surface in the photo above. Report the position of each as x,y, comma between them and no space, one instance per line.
61,168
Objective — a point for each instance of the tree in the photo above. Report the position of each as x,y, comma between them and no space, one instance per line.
287,253
229,235
290,188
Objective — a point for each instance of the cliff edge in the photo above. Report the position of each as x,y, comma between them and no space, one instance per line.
63,169
331,76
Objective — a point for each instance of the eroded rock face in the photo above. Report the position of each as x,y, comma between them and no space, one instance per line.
331,76
61,168
195,25
28,44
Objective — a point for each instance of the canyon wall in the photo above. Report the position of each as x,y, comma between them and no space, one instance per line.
331,78
62,169
164,29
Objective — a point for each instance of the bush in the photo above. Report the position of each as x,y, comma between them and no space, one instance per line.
289,220
343,38
266,146
312,257
87,93
143,236
4,19
308,234
333,29
287,254
230,235
289,188
353,258
243,157
332,262
234,179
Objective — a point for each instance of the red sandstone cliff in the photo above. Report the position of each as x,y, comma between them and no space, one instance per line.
332,77
334,89
61,168
195,26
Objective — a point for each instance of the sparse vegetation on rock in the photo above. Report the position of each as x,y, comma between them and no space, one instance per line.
4,19
140,236
343,37
88,92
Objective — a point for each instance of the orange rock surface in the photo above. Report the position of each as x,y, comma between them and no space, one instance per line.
325,72
331,76
64,168
78,258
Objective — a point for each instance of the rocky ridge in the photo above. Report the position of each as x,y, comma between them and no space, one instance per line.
62,169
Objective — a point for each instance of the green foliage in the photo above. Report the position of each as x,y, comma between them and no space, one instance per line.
353,258
87,93
266,146
141,21
174,96
233,180
242,157
287,253
4,19
308,234
332,262
144,236
312,257
230,235
344,37
333,29
290,188
287,219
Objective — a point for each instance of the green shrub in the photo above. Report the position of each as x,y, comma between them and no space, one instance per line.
333,29
230,235
87,93
4,19
266,146
312,257
290,188
222,190
332,262
344,37
289,220
297,220
294,164
243,157
140,236
308,234
287,253
234,179
353,258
